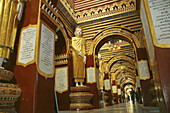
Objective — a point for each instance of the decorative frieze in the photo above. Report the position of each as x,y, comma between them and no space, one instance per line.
139,35
82,14
61,59
49,8
105,11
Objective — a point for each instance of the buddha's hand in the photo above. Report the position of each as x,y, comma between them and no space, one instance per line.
101,72
20,8
81,54
85,59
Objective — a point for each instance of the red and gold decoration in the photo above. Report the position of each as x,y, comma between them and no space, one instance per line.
114,46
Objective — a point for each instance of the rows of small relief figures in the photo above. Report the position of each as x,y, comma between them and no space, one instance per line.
62,58
9,90
5,75
49,12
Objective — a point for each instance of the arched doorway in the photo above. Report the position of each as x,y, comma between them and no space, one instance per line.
117,47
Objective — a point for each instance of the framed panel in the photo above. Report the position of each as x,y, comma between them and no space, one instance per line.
119,91
45,57
114,89
91,75
27,45
159,23
61,79
107,84
143,70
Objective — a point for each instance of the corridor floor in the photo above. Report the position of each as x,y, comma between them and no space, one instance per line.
120,108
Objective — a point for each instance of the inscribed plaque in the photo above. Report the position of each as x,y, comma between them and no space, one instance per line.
27,45
46,55
61,79
138,81
91,77
119,91
143,70
114,89
97,76
160,14
107,84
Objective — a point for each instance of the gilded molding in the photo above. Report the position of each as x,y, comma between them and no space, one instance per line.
68,8
61,59
130,75
126,69
126,82
99,12
129,78
63,30
140,36
105,11
120,58
114,68
122,31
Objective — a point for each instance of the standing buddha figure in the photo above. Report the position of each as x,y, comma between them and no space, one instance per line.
10,14
79,58
101,74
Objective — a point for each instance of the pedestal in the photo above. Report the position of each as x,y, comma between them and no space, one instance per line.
80,97
9,92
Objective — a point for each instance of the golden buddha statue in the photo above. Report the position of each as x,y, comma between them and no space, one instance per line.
79,58
10,14
101,74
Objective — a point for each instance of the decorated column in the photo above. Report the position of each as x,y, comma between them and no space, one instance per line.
114,91
119,93
34,70
91,80
107,87
62,83
144,74
80,94
138,90
156,24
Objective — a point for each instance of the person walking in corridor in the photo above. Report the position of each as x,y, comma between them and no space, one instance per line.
132,93
123,96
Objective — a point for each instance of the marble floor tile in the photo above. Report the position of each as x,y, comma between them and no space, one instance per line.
120,108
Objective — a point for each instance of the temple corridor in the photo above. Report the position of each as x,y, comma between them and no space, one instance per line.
84,56
127,107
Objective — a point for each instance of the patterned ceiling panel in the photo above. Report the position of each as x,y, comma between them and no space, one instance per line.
88,10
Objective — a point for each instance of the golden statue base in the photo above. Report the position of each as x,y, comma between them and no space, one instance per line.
80,98
9,93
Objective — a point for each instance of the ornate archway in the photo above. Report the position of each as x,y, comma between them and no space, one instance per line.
123,57
115,30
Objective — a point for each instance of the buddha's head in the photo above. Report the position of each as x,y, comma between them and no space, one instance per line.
78,31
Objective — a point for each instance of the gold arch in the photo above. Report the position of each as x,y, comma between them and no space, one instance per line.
115,30
119,76
65,35
130,74
117,72
113,69
123,57
131,78
128,82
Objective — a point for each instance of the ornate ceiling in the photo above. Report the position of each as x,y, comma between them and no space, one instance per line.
94,16
85,10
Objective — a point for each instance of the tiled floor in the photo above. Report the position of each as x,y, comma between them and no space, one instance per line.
120,108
